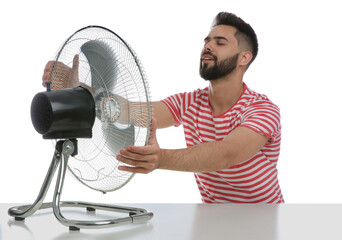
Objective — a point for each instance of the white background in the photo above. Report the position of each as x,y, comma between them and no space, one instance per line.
298,68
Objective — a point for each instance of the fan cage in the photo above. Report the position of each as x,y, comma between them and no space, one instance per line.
95,165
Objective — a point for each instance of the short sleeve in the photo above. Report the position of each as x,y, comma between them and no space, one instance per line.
263,116
174,103
179,104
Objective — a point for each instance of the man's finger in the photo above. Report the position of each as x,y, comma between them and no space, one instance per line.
134,169
146,150
131,155
135,163
129,161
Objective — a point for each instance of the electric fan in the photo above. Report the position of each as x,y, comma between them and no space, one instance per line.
108,109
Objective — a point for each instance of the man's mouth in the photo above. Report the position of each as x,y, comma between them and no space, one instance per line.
207,57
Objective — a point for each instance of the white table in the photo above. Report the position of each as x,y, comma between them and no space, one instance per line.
191,221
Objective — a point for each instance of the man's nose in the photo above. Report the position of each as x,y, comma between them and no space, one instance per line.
207,47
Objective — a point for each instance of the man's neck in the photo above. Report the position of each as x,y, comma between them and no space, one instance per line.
225,92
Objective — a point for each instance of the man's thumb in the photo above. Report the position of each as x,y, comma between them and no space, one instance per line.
75,63
153,134
74,81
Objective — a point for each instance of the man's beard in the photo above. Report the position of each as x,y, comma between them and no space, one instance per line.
220,69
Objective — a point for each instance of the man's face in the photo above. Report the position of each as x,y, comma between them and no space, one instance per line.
220,53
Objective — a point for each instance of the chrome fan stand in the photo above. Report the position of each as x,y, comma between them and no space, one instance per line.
64,149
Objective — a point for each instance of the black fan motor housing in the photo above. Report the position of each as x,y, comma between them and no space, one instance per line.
63,114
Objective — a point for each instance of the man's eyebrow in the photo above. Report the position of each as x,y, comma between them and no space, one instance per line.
216,37
219,37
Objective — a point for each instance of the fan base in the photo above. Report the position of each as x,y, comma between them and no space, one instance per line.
60,159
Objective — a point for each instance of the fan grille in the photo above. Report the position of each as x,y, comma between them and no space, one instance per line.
112,69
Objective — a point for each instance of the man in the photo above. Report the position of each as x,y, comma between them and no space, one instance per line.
232,133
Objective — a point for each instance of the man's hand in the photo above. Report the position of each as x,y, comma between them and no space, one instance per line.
63,76
142,159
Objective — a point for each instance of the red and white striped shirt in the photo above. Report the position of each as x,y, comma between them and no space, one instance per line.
252,181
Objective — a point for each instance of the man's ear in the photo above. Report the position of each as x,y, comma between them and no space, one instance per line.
245,58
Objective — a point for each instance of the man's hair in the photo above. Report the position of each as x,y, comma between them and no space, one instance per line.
244,34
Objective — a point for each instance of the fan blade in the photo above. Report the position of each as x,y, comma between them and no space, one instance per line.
102,64
118,138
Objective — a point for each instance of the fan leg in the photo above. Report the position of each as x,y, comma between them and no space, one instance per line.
21,212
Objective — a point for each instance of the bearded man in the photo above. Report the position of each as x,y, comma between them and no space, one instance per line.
232,133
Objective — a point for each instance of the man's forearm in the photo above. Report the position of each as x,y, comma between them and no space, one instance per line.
206,157
241,144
